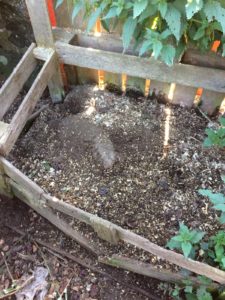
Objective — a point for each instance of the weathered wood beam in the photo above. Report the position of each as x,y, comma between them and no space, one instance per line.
113,43
187,75
125,235
16,80
10,136
149,270
40,22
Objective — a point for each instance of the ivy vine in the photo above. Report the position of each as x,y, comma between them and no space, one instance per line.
164,28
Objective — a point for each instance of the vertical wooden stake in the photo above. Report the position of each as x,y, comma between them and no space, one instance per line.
38,12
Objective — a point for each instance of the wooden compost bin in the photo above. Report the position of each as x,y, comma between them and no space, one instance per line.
99,53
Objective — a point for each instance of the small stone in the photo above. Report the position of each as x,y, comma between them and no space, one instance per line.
2,242
103,191
5,248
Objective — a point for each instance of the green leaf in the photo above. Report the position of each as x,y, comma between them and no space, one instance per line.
215,198
214,10
111,13
220,207
197,237
145,47
168,53
173,19
139,7
222,218
3,60
207,143
163,8
77,9
222,121
95,15
157,47
192,7
128,31
172,244
223,53
202,294
186,248
223,262
199,33
188,289
58,3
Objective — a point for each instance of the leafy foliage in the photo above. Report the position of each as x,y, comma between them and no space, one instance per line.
216,137
185,240
218,201
190,23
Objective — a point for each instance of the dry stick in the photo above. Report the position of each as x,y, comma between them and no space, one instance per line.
86,265
37,113
7,267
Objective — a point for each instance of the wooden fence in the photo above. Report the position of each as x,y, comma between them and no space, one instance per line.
176,88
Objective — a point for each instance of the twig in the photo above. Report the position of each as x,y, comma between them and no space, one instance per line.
44,259
90,267
37,113
204,115
7,267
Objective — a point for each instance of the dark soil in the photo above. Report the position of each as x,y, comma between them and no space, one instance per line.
23,255
147,185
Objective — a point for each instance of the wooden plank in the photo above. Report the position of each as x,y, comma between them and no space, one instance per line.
41,25
17,79
22,180
113,43
210,60
149,270
143,243
211,101
19,120
3,128
212,79
126,235
182,95
22,194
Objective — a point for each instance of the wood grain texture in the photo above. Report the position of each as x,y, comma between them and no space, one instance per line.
193,76
149,270
17,79
19,120
41,25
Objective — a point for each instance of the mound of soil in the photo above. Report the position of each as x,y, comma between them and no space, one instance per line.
157,163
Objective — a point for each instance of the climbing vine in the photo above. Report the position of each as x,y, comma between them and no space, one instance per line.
165,28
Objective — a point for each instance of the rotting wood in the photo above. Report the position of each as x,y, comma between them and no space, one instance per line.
149,270
16,80
125,235
41,25
212,79
19,120
45,212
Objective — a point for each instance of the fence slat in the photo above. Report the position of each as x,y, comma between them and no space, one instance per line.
186,75
40,22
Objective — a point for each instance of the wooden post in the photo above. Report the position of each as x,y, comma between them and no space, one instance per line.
39,17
